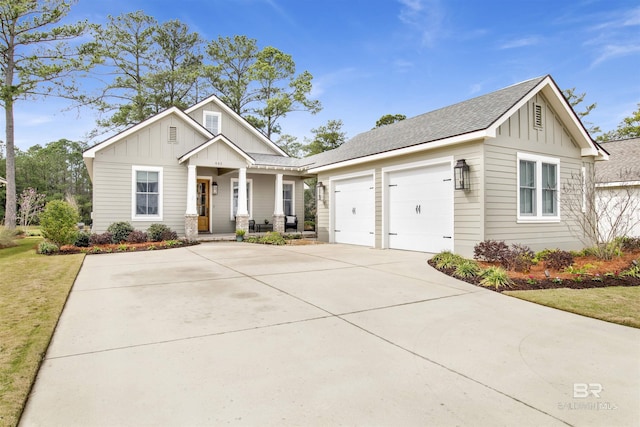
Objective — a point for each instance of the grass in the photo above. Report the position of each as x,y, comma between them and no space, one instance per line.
33,290
614,304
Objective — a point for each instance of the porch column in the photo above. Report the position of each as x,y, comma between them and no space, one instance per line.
278,212
191,215
242,214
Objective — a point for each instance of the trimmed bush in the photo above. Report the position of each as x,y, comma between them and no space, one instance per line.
120,231
58,222
557,259
137,236
446,259
160,232
82,240
47,248
273,238
467,269
491,251
101,239
518,258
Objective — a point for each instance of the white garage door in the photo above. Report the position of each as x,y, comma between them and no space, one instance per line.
420,209
354,211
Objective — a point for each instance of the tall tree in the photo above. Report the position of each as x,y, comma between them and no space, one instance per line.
290,145
628,128
280,91
230,71
126,47
35,60
177,66
326,137
577,99
388,119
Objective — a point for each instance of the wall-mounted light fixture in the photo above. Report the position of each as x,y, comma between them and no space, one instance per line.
214,188
461,175
320,191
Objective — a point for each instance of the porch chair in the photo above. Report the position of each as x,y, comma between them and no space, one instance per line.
252,225
290,221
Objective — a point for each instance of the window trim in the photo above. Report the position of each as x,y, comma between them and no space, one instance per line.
538,217
134,190
249,195
206,113
293,196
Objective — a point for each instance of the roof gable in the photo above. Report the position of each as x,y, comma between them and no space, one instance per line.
224,107
477,118
207,144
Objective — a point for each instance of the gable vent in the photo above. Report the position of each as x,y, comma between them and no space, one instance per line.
537,116
173,134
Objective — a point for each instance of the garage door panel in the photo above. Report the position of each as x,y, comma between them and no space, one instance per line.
420,209
354,211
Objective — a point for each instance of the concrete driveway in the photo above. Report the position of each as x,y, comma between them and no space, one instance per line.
233,333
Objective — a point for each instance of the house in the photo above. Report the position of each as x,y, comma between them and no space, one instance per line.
3,181
617,188
510,151
202,170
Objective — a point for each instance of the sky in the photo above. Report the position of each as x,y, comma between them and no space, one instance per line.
369,58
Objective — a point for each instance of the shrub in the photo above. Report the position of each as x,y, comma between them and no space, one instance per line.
137,236
160,232
120,231
7,238
490,251
47,248
446,259
58,222
82,240
273,238
467,269
633,271
101,239
558,260
495,277
630,243
518,257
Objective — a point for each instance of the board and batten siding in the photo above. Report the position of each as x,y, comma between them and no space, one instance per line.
468,214
518,135
235,130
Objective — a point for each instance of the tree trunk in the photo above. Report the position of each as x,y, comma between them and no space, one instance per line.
10,207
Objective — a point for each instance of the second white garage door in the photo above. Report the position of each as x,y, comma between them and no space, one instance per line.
354,211
420,208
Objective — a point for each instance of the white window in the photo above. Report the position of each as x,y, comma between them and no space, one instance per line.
234,197
212,121
538,195
288,198
146,198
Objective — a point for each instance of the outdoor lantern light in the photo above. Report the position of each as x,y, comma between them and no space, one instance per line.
214,188
461,173
320,189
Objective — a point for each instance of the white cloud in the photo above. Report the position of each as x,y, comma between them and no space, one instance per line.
324,82
521,42
402,65
424,16
612,51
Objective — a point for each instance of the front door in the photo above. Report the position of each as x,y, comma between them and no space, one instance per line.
203,205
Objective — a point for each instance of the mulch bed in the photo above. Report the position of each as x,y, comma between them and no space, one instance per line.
597,274
124,247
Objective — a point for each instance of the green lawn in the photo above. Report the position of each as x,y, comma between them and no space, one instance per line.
33,290
614,304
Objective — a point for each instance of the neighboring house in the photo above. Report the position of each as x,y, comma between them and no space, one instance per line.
3,181
618,188
203,170
393,187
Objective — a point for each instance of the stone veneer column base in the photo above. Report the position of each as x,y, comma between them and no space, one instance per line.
242,222
191,227
278,223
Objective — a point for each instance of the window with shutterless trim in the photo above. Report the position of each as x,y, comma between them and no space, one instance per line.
538,188
146,198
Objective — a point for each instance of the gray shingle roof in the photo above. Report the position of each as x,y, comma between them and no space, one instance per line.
458,119
277,160
624,161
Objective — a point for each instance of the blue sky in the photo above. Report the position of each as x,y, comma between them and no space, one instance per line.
376,57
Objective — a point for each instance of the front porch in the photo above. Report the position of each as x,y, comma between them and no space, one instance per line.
230,237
